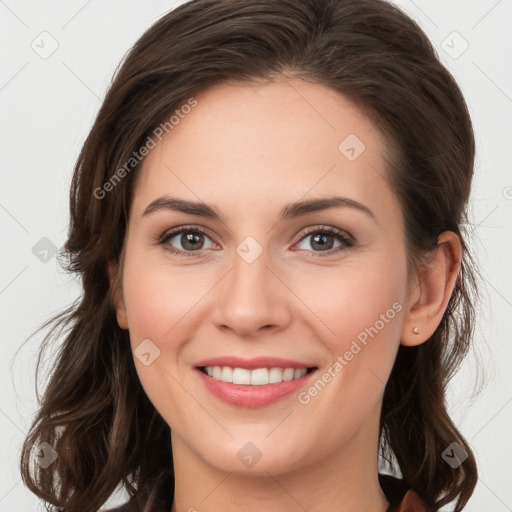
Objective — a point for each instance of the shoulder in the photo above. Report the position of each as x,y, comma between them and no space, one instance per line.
400,497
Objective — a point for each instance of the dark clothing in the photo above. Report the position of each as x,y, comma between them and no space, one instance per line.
400,499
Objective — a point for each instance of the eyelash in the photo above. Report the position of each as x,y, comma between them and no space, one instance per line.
346,240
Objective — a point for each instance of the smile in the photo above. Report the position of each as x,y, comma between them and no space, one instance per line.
256,377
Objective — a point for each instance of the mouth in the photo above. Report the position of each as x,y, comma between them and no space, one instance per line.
257,376
253,383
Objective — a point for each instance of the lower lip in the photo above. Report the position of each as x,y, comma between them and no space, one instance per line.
244,395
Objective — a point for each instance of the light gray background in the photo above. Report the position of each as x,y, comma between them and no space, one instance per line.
47,108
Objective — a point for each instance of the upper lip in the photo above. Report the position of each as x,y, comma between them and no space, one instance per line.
253,363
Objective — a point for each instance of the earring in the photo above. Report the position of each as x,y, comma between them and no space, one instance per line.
416,330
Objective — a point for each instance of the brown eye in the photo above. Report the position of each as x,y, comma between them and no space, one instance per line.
192,241
325,240
322,241
186,241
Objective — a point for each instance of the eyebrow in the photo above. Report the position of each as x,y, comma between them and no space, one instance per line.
290,211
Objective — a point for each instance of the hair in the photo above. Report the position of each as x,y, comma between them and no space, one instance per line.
94,411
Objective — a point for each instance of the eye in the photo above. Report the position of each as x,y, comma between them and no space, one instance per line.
190,238
189,241
323,239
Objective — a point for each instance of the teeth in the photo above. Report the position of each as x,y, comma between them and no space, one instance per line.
288,374
299,372
256,377
275,375
241,376
259,376
227,374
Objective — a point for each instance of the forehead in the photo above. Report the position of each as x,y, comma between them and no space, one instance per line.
259,143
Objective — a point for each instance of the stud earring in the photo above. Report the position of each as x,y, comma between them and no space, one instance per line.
416,330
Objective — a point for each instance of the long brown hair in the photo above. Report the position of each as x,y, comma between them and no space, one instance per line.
94,412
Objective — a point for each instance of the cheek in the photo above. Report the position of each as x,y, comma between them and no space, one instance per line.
348,301
358,311
159,305
361,316
159,299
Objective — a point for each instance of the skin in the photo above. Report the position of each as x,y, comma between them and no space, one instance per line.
249,150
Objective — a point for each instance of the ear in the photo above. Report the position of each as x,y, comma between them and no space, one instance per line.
431,291
117,295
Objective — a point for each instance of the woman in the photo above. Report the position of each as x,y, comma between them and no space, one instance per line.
268,220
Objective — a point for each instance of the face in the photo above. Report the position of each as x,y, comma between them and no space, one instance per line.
321,289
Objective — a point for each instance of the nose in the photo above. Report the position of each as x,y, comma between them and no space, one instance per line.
251,299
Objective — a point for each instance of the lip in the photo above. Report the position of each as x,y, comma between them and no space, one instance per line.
243,395
253,363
